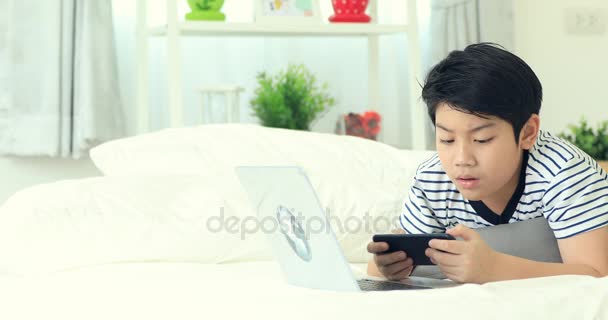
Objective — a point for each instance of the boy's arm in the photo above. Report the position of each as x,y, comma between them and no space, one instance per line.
572,212
584,254
472,260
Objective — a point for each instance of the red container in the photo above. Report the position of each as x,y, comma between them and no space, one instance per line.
350,11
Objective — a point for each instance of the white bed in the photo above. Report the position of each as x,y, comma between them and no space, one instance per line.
255,290
135,243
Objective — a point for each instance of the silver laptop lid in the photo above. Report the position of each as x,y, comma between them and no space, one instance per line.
290,214
530,239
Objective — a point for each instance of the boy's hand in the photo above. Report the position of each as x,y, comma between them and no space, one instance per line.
471,260
393,266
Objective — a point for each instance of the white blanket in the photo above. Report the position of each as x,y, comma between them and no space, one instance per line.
257,291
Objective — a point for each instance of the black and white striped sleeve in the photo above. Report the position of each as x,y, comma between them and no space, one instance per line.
576,200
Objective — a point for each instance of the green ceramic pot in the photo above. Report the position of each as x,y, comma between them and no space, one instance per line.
206,10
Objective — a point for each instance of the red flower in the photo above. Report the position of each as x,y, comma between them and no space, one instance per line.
371,122
365,126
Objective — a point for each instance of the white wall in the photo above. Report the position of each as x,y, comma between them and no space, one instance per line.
18,173
572,68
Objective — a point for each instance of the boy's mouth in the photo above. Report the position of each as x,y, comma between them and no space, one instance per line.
467,182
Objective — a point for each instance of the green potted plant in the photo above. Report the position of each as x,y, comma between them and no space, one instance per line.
592,141
290,99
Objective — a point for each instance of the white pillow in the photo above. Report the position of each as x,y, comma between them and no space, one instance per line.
92,221
221,147
78,223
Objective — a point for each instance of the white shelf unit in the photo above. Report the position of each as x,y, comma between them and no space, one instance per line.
259,29
174,29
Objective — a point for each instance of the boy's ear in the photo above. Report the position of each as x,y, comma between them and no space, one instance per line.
529,132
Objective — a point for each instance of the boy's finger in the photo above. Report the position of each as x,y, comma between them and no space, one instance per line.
451,246
444,258
377,247
401,274
397,266
389,258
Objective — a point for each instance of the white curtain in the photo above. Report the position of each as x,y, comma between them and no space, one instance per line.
59,93
454,24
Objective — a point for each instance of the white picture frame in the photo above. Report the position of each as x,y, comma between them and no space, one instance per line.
287,11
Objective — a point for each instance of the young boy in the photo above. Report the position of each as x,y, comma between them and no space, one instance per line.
493,166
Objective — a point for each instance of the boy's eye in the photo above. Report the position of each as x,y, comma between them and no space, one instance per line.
483,141
446,141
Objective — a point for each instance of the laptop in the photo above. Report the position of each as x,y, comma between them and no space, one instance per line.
301,237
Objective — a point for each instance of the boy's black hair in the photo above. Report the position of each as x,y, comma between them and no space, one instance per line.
485,80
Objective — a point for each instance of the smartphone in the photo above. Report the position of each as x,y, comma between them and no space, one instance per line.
414,245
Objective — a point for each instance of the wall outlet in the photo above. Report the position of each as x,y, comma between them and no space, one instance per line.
585,20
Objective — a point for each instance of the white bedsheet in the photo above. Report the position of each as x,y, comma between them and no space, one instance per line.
256,291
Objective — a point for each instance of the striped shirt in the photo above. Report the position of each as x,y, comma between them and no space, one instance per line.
559,182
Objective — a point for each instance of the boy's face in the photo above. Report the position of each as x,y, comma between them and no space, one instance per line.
479,155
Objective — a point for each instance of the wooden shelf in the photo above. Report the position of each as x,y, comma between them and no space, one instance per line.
260,29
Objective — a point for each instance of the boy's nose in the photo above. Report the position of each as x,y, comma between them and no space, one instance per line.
465,157
464,163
